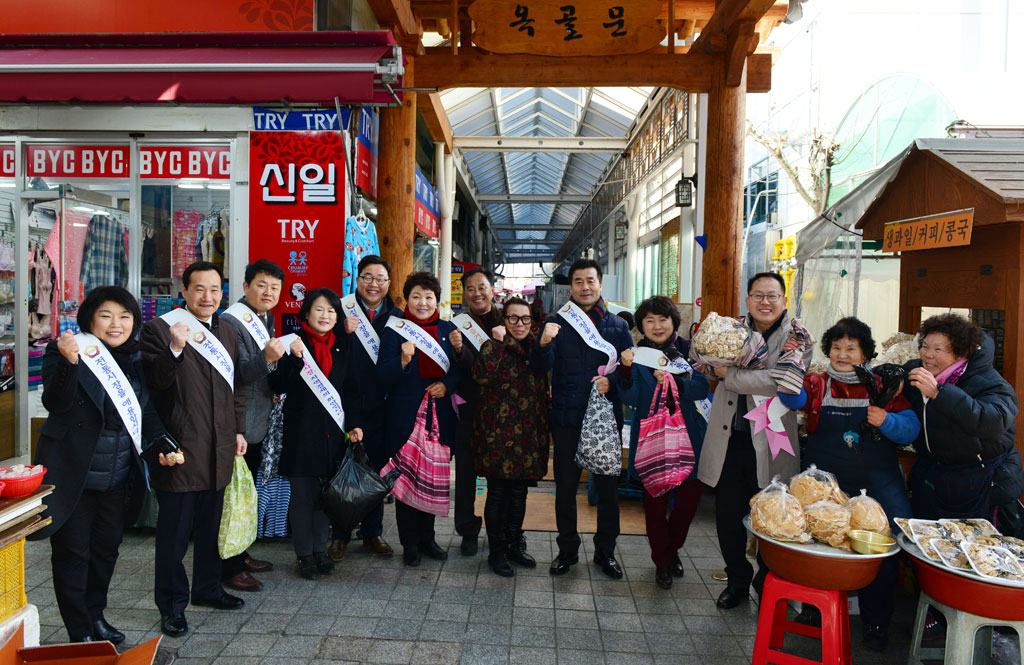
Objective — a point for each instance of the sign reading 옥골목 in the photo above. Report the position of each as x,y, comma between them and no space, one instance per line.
948,229
556,27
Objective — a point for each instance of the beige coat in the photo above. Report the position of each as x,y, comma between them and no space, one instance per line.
749,382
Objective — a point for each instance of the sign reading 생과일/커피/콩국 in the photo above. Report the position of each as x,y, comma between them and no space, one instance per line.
556,27
948,229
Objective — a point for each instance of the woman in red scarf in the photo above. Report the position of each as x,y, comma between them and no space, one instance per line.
313,444
408,372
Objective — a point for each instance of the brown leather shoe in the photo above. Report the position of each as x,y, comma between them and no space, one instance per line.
256,565
378,546
244,581
336,550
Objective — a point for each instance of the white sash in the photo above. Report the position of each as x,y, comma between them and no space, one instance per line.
318,383
422,339
241,312
101,363
471,330
367,336
582,324
655,359
205,343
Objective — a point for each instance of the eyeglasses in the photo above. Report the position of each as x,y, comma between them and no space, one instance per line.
770,297
516,320
380,281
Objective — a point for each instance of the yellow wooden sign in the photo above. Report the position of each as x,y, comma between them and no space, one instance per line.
555,27
948,229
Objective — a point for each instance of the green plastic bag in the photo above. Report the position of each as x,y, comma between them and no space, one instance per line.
238,522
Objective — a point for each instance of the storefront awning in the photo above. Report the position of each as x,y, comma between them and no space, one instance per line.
207,68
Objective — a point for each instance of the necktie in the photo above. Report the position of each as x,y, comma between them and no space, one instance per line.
370,314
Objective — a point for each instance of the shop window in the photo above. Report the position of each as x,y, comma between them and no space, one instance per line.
648,270
993,322
761,198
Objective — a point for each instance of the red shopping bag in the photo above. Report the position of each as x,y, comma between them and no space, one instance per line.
664,454
424,465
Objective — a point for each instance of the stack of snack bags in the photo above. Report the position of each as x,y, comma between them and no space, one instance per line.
722,341
969,545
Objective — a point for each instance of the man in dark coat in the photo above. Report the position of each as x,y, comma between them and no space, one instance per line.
262,287
363,396
478,293
206,416
574,367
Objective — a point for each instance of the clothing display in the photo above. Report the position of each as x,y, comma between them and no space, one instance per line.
105,254
360,241
183,239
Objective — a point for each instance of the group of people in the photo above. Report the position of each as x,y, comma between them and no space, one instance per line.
508,391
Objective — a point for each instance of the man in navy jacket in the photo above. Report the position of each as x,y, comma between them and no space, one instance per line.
574,367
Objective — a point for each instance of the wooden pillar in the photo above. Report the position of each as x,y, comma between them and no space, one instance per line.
723,199
396,196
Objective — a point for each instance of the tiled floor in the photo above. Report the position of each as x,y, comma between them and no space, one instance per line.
374,610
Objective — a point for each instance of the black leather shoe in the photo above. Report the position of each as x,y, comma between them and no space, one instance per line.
663,577
517,554
307,567
224,602
434,551
101,630
470,546
174,626
876,638
609,566
676,567
84,638
500,565
731,597
411,556
323,564
562,564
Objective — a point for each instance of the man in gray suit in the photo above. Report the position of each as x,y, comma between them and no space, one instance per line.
262,289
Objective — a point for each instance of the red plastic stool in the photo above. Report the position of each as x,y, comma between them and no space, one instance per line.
772,624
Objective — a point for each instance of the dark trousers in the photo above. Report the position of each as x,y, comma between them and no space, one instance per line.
668,519
736,485
185,514
504,511
232,566
415,527
84,552
372,525
467,524
567,482
307,518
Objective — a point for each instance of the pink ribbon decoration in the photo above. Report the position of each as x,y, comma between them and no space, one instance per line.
457,401
605,370
778,440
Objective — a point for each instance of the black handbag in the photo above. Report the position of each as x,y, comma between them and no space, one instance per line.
355,490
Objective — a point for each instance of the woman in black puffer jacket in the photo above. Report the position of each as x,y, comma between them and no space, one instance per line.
968,465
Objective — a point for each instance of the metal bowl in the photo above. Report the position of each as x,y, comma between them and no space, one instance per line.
869,542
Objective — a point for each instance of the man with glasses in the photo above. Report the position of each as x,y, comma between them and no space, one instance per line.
736,462
363,396
478,293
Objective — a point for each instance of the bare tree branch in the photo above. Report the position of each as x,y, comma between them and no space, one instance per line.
820,159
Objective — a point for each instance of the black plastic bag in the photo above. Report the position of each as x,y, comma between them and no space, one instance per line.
891,376
355,490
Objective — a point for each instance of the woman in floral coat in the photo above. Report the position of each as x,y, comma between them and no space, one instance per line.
510,433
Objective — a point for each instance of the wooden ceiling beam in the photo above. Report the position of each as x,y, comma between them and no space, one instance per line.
728,14
684,9
398,16
435,117
741,41
473,68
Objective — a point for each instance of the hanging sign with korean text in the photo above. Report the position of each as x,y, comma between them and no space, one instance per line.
948,229
77,161
213,162
555,27
366,150
297,210
428,206
6,161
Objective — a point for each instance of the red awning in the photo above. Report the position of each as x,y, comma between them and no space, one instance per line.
208,68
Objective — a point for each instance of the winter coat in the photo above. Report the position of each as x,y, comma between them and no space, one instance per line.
723,410
313,443
574,364
691,389
254,370
405,389
198,407
511,437
363,392
469,390
76,404
966,423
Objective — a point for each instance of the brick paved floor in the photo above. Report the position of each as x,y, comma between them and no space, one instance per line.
374,610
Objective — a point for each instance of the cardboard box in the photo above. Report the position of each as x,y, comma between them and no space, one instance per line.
93,653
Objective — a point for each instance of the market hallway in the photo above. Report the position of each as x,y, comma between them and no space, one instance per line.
374,610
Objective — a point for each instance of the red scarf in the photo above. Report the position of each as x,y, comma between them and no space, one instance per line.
321,348
428,368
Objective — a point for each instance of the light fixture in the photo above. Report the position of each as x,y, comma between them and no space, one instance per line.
620,229
684,191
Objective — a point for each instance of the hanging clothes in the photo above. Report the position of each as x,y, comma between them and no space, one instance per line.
360,241
185,226
104,258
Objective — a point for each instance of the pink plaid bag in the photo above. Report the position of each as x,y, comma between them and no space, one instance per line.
664,454
424,465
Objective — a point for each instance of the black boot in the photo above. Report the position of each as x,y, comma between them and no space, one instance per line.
307,567
514,529
497,558
495,512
